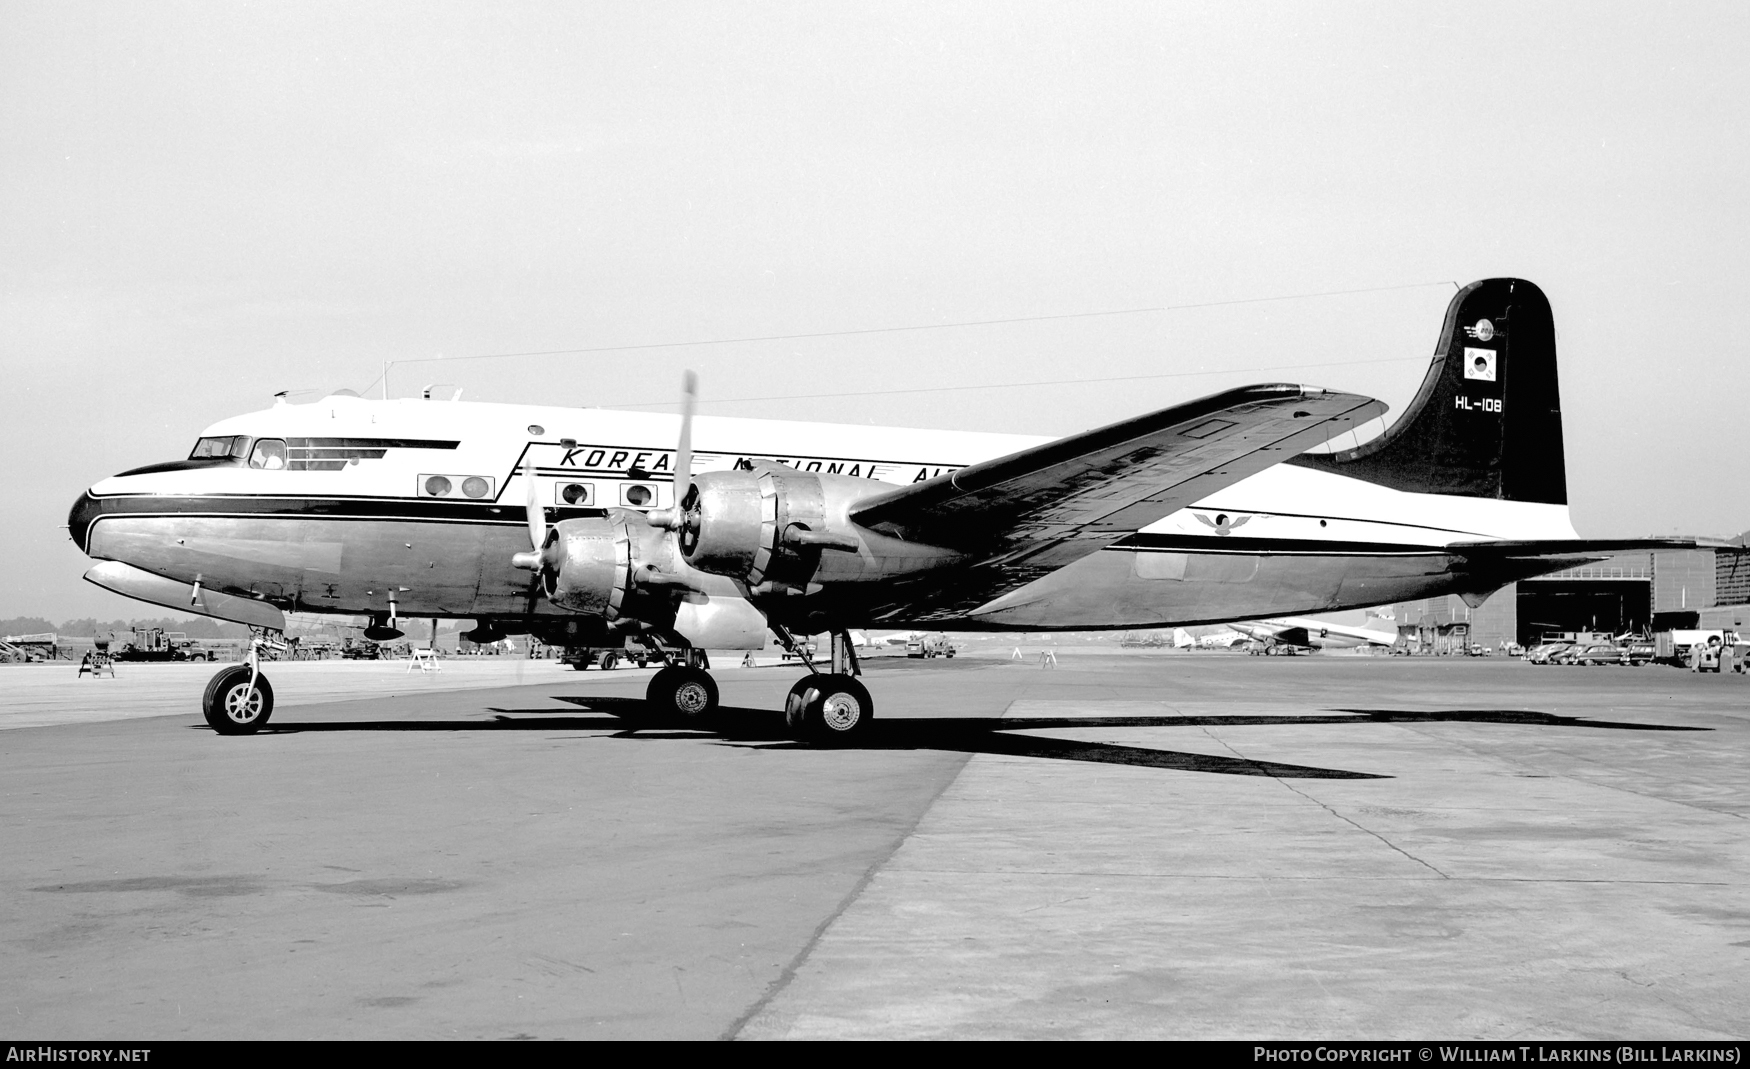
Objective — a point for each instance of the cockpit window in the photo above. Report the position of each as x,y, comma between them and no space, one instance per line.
215,448
269,453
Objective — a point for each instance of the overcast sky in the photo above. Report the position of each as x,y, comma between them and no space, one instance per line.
208,203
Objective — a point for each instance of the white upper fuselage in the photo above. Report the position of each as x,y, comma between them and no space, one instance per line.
616,453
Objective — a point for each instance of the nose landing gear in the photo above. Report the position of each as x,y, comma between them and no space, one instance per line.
239,700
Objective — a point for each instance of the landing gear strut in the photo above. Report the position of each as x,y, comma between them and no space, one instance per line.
833,707
239,700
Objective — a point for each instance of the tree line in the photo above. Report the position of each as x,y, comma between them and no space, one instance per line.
91,627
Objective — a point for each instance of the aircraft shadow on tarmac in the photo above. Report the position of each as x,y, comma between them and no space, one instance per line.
765,729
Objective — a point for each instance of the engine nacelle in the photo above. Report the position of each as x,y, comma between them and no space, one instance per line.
610,566
768,527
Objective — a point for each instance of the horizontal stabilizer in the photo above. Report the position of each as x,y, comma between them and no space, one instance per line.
1503,562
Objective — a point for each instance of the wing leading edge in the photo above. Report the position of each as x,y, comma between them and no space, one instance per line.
1024,515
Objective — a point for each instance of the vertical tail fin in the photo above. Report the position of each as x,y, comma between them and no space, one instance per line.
1487,421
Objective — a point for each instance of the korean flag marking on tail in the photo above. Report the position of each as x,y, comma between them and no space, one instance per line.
1479,364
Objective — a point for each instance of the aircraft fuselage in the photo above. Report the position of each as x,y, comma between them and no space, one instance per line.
345,505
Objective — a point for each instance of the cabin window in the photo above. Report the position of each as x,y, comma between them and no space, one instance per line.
477,487
576,494
269,453
638,495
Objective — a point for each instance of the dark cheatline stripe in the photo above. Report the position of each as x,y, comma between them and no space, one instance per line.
369,443
1143,542
313,453
89,510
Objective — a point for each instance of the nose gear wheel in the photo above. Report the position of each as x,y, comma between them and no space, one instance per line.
232,707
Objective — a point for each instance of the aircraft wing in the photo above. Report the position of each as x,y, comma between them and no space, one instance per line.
1024,515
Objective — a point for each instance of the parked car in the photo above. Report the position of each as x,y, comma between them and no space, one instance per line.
1543,654
1596,653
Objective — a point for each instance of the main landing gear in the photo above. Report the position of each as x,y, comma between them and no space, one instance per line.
832,707
683,693
826,707
239,700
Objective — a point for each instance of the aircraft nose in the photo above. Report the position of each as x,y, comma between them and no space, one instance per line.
85,512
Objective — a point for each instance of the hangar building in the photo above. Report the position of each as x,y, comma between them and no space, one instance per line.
1708,587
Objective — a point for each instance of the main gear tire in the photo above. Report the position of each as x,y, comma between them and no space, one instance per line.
793,703
835,710
686,696
232,707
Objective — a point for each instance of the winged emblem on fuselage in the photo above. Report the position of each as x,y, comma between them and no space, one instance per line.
1223,523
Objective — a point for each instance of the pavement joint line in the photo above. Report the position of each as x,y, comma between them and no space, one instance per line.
794,965
1310,879
1509,760
1352,823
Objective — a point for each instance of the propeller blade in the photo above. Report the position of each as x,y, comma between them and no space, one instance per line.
674,517
537,514
683,454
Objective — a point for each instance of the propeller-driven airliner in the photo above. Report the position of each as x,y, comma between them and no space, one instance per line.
589,527
1301,632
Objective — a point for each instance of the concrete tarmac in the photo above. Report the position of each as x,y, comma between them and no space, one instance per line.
1145,845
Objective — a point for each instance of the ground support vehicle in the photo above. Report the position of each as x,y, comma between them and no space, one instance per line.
1677,647
1273,649
582,657
27,648
934,644
359,649
154,644
1727,655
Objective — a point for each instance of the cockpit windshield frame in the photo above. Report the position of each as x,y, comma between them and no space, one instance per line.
221,447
